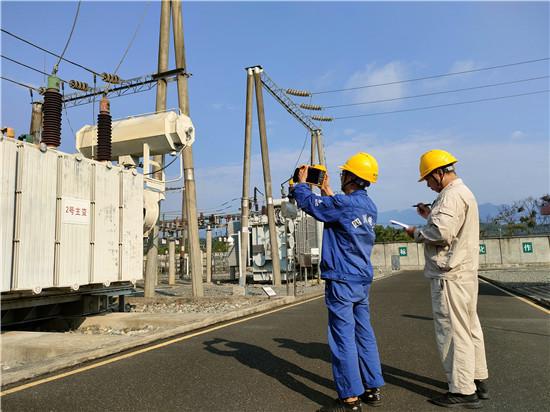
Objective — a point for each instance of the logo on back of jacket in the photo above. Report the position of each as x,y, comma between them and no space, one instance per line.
365,219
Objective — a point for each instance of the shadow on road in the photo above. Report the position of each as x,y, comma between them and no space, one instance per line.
394,376
264,361
417,317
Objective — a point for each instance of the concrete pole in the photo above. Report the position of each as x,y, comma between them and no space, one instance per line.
208,254
246,176
276,264
320,226
172,261
320,147
313,148
183,239
189,173
151,269
36,122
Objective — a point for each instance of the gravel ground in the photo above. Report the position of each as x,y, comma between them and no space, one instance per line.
220,296
519,275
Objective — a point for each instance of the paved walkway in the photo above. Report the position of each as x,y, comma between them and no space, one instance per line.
280,361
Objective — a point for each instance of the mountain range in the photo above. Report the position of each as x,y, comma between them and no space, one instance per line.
409,216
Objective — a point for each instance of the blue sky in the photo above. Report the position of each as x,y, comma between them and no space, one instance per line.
502,146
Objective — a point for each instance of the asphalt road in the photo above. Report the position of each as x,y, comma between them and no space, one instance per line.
281,362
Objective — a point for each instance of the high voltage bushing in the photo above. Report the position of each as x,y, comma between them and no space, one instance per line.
51,124
310,106
104,131
301,93
111,78
78,85
322,118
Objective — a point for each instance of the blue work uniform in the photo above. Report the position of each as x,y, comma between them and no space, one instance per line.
348,238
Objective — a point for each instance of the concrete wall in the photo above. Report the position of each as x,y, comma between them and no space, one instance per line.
506,252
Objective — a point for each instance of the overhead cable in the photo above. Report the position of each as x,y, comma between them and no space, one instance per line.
434,76
69,38
50,52
27,66
435,93
443,105
133,37
21,84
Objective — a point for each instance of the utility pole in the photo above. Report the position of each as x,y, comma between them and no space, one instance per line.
172,261
189,173
183,238
320,147
246,176
275,262
208,254
152,242
313,147
319,225
36,122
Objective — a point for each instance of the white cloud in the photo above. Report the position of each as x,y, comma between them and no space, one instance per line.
485,165
444,82
462,66
518,135
371,75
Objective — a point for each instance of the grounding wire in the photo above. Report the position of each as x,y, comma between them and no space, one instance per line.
28,67
133,37
21,84
69,39
165,166
443,105
50,52
439,92
67,114
301,151
434,76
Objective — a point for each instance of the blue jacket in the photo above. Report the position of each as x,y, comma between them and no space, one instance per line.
348,236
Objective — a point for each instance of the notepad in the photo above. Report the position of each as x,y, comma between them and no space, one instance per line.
403,225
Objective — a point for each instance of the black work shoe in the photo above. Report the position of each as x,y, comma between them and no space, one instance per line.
372,397
453,400
338,405
482,389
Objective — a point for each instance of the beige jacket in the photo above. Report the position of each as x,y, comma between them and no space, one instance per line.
451,234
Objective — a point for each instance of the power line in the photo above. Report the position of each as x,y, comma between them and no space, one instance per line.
434,76
21,84
443,105
69,39
27,66
166,166
133,37
50,52
439,92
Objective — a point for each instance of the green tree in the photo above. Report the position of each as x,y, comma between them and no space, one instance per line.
390,234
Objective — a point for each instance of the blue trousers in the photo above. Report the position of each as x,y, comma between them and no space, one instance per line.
355,358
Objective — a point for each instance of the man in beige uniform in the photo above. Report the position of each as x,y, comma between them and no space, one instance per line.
451,249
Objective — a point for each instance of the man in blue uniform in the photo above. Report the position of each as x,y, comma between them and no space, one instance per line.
348,238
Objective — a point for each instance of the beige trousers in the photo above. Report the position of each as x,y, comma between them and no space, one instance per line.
458,332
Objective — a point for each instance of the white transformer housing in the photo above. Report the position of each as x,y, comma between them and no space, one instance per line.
163,132
67,221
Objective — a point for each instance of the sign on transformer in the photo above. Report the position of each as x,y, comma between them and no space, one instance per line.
67,221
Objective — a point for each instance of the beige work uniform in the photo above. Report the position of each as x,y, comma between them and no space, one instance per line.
451,250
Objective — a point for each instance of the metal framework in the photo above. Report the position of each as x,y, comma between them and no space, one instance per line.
135,85
280,95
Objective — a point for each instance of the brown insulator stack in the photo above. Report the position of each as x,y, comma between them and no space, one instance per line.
104,131
51,127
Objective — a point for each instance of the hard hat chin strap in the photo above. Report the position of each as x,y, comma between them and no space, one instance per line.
444,169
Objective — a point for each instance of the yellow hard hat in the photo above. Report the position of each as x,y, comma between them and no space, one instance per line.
434,159
362,165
